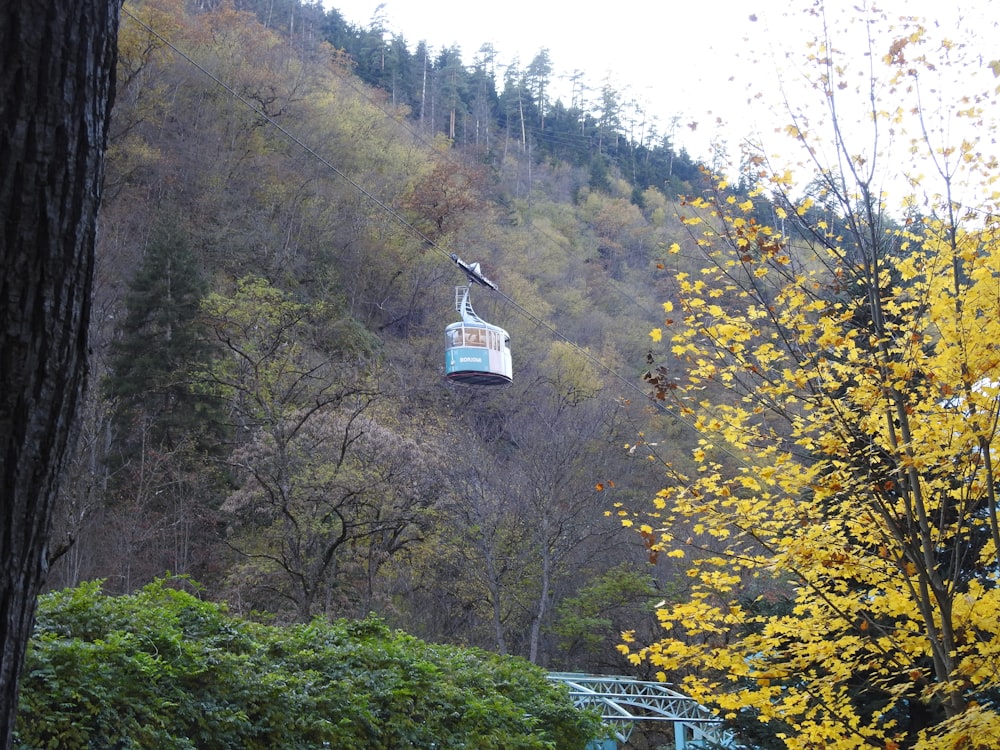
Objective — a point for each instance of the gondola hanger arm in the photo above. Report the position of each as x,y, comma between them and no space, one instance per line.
475,275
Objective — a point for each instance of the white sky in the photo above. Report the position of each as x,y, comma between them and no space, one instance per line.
679,58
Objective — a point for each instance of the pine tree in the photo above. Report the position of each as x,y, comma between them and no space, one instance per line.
157,343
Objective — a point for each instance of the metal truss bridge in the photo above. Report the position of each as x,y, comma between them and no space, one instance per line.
623,702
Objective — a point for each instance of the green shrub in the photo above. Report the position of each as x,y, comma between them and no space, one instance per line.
162,669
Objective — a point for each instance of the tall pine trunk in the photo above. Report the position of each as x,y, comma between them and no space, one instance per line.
57,62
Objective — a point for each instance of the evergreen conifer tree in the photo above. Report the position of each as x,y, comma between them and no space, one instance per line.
157,347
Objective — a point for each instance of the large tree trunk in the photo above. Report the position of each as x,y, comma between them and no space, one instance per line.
57,61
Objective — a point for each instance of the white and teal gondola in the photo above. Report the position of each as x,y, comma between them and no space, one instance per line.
476,352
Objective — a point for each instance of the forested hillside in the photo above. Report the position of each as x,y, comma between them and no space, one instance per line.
268,412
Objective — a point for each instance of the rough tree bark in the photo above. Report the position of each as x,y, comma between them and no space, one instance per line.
57,62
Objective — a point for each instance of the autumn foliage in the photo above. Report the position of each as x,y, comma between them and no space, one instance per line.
841,365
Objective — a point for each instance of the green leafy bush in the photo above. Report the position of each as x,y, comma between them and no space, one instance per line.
162,669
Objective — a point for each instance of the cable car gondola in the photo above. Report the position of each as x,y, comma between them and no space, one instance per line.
476,352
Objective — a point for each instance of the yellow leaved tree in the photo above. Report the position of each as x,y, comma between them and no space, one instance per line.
840,355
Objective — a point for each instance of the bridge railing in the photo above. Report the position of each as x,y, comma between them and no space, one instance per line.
625,701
